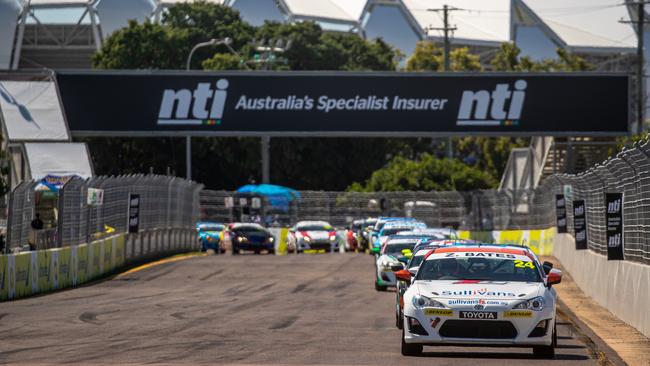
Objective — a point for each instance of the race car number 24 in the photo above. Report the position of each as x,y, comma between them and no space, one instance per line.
522,264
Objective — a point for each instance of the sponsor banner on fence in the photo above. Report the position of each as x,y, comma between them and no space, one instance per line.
560,213
614,223
540,241
134,213
580,223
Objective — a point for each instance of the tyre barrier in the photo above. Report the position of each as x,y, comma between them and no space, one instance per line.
35,272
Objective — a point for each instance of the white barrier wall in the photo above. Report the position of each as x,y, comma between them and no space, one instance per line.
30,273
622,287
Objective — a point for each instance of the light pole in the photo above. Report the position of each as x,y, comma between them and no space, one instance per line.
188,139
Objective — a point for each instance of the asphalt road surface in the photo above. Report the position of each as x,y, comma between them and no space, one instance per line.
299,309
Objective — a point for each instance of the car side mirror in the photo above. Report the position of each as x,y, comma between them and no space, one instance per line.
403,275
397,267
547,266
554,277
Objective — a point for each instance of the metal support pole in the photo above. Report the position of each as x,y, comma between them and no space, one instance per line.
450,147
188,157
445,15
266,160
639,71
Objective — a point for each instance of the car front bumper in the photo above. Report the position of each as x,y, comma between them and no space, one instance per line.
511,328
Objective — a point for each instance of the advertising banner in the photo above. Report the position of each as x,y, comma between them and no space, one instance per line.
95,197
4,277
96,263
107,245
614,223
560,213
24,273
83,264
134,213
44,280
580,224
343,103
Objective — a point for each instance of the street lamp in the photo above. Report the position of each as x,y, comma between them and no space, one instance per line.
213,42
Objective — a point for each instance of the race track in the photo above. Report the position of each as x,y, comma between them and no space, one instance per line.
299,309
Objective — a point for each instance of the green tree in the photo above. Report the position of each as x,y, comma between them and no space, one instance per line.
224,61
427,173
429,57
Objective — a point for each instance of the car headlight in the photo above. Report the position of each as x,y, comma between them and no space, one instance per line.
420,301
332,238
241,239
536,303
306,239
271,239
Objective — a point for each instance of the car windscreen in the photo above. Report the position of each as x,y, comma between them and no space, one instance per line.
314,228
249,230
398,248
479,268
393,230
416,261
211,228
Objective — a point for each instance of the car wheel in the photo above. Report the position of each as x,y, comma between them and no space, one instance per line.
257,251
398,324
547,352
379,287
235,250
271,251
410,349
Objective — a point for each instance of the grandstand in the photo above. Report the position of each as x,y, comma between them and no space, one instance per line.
65,33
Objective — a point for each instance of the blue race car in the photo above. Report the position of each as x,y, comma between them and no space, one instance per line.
210,235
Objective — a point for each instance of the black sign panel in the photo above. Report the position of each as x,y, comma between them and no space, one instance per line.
343,104
614,222
580,224
134,213
560,213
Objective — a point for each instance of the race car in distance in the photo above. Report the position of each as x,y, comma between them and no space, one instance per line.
312,235
480,295
366,232
379,224
210,236
396,252
353,235
392,228
253,237
441,233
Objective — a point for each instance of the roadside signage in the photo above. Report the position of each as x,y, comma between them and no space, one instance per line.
95,197
580,224
560,213
614,224
343,103
134,213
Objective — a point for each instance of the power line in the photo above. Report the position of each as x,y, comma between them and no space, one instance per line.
446,29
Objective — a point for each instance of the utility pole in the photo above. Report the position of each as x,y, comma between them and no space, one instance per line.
446,30
640,25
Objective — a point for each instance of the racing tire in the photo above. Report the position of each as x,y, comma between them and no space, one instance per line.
271,251
235,251
399,320
257,252
409,349
547,352
378,287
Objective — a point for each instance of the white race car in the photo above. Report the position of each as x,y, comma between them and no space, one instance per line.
480,296
312,235
396,252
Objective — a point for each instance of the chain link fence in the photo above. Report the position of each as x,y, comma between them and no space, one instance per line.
628,172
70,219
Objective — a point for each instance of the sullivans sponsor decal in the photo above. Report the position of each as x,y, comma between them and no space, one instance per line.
479,292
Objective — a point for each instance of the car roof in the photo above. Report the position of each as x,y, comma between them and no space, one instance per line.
483,249
238,225
401,240
315,222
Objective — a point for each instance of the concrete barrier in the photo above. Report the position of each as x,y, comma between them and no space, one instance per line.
29,273
540,241
622,287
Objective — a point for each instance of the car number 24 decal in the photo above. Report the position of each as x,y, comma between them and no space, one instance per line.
522,264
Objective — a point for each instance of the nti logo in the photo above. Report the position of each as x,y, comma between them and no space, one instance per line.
614,207
485,108
206,105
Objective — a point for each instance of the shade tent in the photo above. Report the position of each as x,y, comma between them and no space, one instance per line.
327,9
31,111
585,25
60,159
278,196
